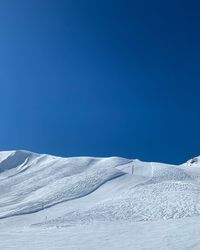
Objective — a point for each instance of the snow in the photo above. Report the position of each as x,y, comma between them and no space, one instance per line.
49,202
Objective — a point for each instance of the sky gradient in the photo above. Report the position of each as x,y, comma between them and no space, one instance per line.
101,78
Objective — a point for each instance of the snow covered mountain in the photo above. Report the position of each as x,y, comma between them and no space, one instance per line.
45,191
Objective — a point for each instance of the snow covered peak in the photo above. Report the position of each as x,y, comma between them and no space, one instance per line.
14,159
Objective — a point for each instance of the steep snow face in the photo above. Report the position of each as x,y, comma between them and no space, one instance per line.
97,189
14,160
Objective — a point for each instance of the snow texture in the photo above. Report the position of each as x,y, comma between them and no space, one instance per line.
54,195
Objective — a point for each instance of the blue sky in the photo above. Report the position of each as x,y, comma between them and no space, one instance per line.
101,78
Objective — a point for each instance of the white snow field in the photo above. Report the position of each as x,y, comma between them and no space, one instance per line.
49,202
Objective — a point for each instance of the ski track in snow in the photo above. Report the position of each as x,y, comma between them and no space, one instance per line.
44,191
32,182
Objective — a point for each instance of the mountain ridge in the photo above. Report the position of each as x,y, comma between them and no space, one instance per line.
110,188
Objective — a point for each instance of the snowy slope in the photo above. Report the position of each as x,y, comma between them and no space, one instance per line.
32,182
44,191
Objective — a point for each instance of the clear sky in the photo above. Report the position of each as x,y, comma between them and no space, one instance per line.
101,78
